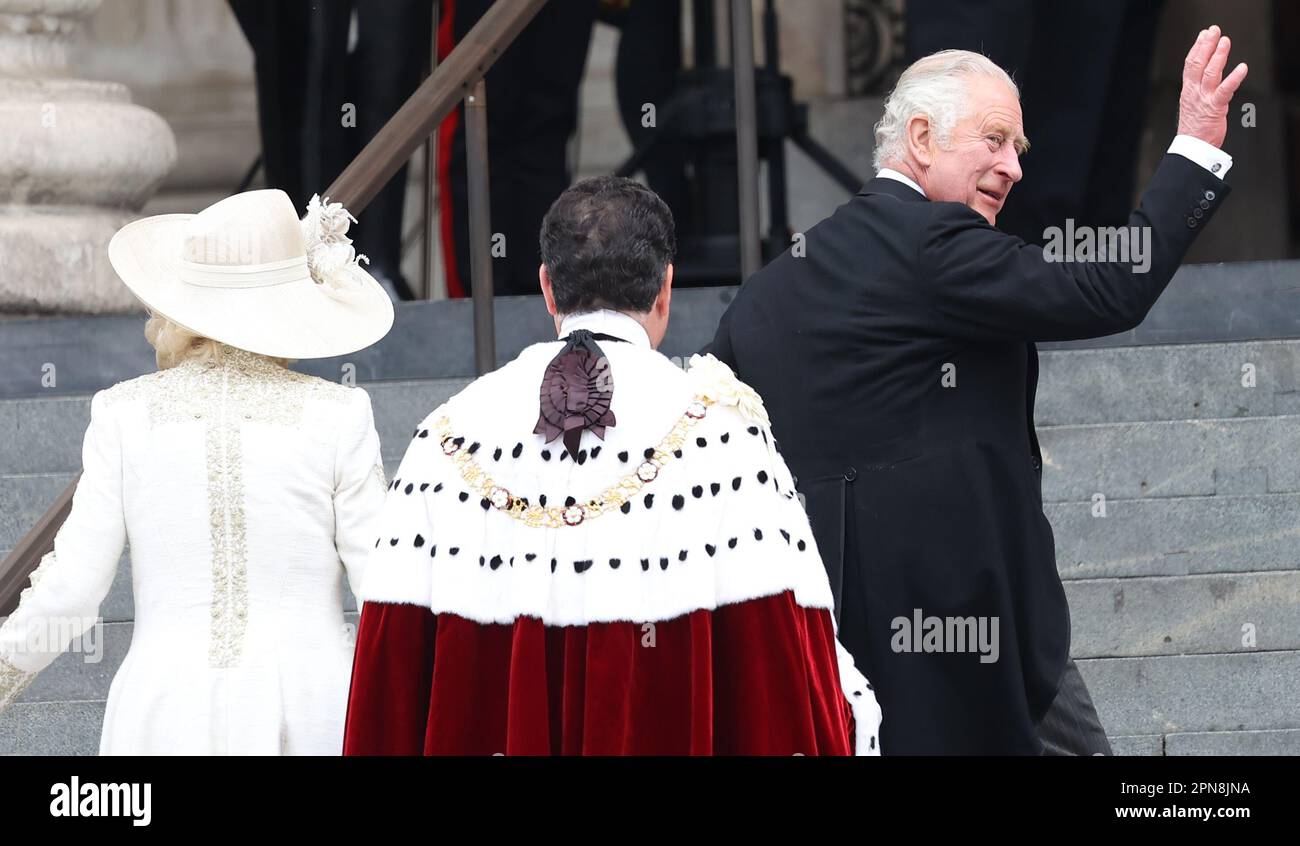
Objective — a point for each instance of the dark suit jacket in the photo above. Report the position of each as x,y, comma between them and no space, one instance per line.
925,492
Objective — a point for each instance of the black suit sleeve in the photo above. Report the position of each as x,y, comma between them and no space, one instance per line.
985,285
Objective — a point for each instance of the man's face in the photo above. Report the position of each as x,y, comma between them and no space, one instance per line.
982,161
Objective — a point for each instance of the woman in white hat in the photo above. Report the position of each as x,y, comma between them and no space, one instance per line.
245,489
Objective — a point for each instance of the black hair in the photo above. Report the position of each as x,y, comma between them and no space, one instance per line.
607,242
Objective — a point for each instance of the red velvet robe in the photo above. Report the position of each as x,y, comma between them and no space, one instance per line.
756,678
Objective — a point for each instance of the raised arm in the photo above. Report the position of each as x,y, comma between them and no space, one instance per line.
985,285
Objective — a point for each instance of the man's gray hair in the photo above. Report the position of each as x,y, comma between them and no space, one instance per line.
934,86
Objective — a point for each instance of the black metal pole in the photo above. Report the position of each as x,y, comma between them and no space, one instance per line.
774,148
742,66
480,228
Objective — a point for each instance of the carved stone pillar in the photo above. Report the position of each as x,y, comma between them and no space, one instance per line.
77,160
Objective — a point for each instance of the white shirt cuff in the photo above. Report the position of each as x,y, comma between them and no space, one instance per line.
1204,154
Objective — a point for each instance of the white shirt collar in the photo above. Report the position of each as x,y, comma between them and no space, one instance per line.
890,173
609,322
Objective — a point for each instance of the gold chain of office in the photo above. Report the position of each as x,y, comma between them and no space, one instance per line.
558,516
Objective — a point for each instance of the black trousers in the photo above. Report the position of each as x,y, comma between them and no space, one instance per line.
1071,725
532,110
306,78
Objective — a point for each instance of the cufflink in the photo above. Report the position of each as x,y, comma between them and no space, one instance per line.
1216,168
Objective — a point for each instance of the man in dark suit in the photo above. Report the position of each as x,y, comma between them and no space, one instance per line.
894,348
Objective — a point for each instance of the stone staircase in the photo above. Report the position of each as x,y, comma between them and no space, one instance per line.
1184,590
1198,546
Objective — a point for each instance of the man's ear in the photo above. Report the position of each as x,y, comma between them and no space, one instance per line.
547,293
919,136
665,292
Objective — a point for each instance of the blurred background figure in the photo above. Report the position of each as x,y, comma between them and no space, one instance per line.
646,68
532,112
330,73
1082,69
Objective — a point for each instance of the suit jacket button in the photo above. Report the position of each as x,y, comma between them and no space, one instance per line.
1191,223
850,474
1205,204
1038,465
1209,195
1198,214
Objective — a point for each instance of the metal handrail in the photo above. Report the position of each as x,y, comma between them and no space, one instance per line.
452,81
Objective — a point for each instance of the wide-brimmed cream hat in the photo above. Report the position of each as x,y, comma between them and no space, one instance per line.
247,272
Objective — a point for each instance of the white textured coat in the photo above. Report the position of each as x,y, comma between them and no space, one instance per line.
245,491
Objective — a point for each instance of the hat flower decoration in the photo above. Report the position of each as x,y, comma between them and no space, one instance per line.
333,262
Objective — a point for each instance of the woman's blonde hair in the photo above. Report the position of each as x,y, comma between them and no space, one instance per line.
174,344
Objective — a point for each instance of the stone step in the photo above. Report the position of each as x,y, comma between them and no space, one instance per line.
1175,382
1251,455
1143,745
1175,536
1184,615
44,435
1284,742
52,728
1172,694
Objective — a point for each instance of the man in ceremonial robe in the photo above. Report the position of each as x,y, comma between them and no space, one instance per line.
591,551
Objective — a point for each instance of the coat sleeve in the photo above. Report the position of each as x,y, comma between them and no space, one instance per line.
984,285
358,489
71,582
